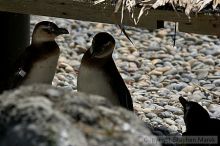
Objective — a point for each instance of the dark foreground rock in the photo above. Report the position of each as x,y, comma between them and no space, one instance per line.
42,115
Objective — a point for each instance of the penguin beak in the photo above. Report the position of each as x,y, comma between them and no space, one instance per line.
60,31
183,101
93,54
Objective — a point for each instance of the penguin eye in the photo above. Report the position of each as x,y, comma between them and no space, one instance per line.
48,29
52,29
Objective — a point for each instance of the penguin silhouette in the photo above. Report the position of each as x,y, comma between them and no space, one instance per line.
99,75
37,64
198,121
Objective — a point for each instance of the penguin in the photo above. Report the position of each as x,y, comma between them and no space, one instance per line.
38,62
99,75
198,121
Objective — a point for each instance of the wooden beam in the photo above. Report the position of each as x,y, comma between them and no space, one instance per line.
85,10
72,9
202,25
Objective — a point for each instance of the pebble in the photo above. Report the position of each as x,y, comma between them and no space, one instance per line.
198,96
173,128
155,72
217,82
169,121
162,33
171,72
174,109
157,119
165,114
147,110
151,115
202,73
69,69
188,89
180,121
209,62
177,86
214,107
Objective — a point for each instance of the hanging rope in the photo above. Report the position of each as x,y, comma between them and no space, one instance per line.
174,36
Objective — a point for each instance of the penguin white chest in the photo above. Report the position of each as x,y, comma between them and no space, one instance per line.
42,71
95,81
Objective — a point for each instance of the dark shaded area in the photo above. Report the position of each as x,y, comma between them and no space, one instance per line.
198,121
14,38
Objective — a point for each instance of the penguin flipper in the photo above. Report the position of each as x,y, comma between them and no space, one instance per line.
17,78
18,71
118,85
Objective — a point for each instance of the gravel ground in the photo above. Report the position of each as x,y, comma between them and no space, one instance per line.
155,72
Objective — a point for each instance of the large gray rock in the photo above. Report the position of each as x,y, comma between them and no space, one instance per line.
42,115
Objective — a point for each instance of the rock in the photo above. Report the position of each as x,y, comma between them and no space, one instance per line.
33,121
161,33
60,77
62,60
208,86
79,40
217,82
180,121
164,92
99,25
157,119
171,72
188,77
41,115
198,96
136,77
63,65
163,69
155,72
173,128
169,121
132,66
202,73
147,110
156,61
165,114
174,109
131,57
69,69
214,107
216,114
209,61
177,86
163,129
153,46
151,89
137,107
151,115
188,89
74,63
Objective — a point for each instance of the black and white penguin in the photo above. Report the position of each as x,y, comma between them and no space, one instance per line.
99,75
37,64
198,121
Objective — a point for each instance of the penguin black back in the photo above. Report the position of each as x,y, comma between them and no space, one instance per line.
123,92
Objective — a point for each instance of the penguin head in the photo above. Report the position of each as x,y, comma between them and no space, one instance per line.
46,31
102,45
194,114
